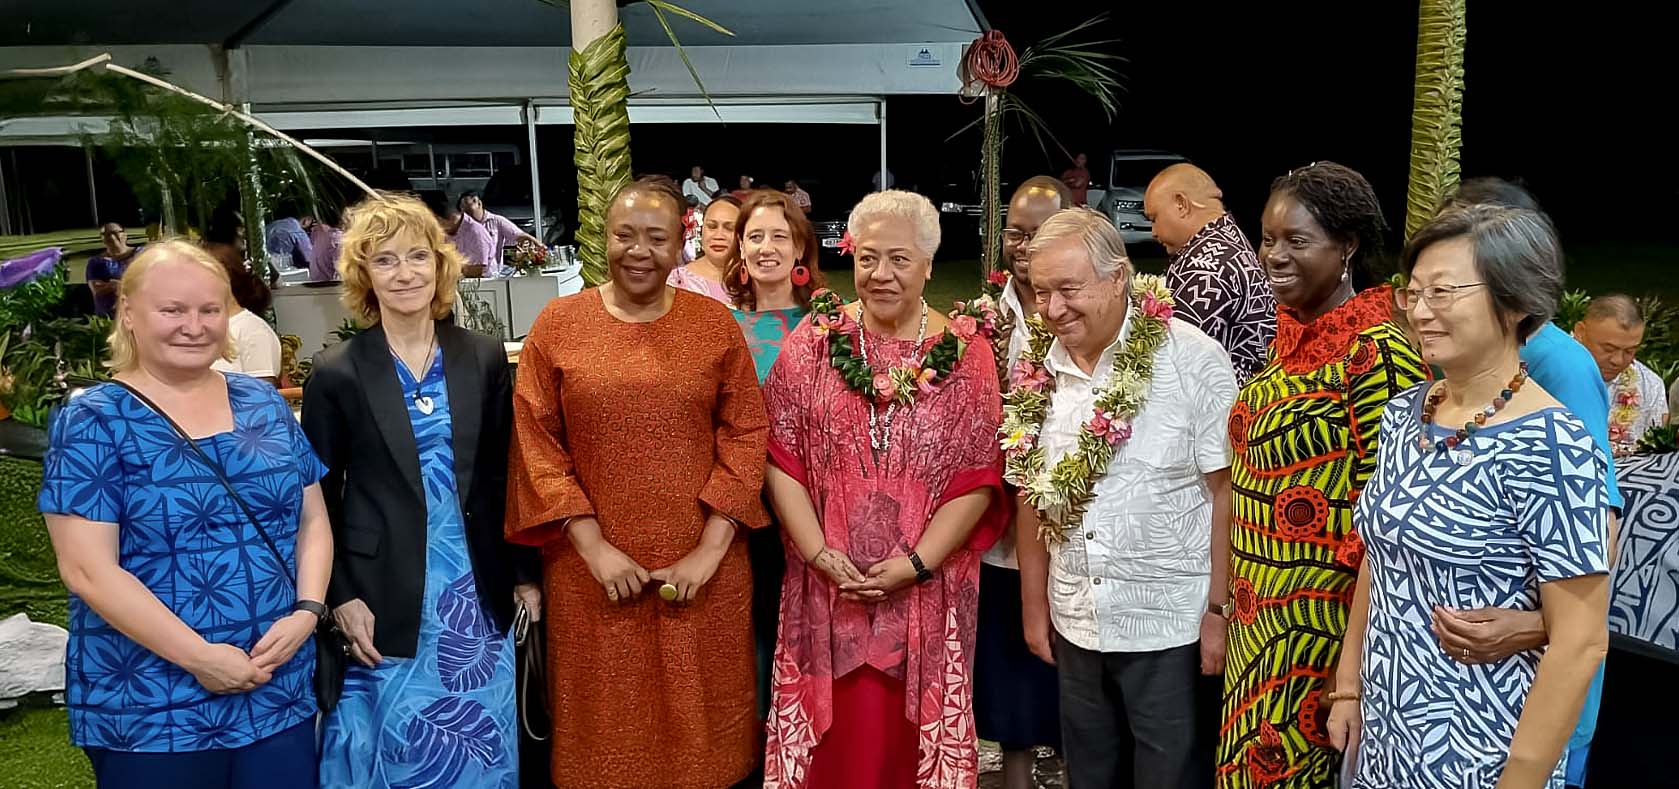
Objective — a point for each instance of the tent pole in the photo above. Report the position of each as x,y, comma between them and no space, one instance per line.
92,190
536,180
883,184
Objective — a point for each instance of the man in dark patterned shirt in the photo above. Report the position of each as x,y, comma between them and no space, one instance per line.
1214,275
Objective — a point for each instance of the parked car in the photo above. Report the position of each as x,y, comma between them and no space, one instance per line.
1129,174
828,235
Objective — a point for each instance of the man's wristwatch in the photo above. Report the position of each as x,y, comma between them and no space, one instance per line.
1220,609
312,607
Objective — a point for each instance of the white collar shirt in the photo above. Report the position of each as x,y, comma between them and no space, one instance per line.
1134,576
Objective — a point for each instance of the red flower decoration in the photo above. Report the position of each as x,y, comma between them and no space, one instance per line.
847,244
1240,417
998,278
1246,600
1300,512
1362,359
1351,550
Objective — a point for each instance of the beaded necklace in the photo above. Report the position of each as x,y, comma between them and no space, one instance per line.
1470,428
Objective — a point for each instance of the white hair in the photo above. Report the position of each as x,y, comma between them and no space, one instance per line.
1102,243
899,204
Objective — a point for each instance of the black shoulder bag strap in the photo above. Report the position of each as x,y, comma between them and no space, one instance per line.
220,475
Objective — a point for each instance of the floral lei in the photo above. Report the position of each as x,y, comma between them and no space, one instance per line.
974,320
1060,494
1623,410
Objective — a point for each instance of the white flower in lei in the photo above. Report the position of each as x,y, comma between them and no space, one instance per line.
1060,493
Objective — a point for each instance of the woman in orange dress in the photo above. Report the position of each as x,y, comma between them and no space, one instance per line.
638,457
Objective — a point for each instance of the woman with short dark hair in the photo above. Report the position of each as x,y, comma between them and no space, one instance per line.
1304,438
1487,493
637,465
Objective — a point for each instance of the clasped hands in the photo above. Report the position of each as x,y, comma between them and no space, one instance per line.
624,579
881,580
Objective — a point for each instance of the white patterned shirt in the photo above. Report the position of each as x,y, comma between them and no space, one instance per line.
1652,402
1134,577
1009,308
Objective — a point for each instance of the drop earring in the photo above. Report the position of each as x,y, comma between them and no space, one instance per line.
800,276
744,279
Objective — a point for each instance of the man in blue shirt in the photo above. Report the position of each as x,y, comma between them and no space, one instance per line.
104,272
287,239
1563,367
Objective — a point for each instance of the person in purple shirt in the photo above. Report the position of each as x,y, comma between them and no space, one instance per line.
104,272
325,242
470,238
503,233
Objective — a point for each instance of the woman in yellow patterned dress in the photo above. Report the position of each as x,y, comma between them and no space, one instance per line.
1303,435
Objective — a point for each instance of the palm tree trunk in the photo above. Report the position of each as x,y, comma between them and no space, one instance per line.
1437,110
600,94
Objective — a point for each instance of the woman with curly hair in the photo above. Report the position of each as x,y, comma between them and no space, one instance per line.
1303,435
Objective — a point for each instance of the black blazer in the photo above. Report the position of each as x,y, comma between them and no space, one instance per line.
357,420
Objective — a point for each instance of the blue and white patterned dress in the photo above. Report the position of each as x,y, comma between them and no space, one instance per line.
114,460
446,717
1529,507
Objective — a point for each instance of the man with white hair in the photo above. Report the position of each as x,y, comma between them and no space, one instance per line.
1115,431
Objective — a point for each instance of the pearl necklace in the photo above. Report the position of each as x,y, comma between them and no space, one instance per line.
880,430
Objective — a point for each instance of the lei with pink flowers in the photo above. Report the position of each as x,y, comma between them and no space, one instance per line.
1623,411
1061,493
901,384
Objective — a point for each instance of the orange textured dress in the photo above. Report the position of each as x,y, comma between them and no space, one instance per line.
648,427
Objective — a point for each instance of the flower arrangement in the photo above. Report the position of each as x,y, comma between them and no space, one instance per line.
1623,411
1061,493
528,256
40,354
900,384
975,320
994,284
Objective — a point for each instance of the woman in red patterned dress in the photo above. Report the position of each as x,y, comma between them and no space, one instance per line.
887,505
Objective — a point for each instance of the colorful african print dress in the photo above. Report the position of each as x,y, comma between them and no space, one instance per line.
1303,436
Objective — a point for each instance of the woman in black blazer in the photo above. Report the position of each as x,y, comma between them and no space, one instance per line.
412,418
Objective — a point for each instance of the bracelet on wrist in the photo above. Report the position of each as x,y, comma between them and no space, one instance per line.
311,606
1341,695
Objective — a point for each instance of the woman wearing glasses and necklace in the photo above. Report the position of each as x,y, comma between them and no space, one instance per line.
412,419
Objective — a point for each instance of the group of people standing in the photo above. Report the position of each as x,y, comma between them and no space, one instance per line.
842,542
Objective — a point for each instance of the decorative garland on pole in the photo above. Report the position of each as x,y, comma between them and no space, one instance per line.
600,95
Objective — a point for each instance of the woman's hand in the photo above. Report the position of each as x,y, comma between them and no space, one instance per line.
225,668
355,621
531,596
883,579
283,639
692,571
837,567
1487,635
1344,724
617,573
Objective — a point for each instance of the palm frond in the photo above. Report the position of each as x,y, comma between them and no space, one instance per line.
660,8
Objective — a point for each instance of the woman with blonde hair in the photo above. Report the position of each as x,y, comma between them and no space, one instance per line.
412,418
191,531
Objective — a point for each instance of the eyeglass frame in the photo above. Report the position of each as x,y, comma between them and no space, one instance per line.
1444,295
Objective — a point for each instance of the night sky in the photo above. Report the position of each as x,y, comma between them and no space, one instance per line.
1576,104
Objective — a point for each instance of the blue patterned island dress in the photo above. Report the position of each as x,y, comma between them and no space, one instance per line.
1526,506
445,717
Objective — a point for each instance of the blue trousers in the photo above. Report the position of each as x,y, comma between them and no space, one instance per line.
284,761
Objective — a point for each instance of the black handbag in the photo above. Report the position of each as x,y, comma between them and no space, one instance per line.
535,722
330,644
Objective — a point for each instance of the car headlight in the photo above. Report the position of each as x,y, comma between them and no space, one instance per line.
950,208
1133,206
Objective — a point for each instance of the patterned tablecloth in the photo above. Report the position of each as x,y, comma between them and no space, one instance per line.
1644,602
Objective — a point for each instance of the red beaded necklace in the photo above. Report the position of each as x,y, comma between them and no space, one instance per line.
1427,444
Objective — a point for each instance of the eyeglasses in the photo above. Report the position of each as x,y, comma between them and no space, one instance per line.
1435,296
1017,236
418,259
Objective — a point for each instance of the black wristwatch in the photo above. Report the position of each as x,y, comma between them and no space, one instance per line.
922,574
312,607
